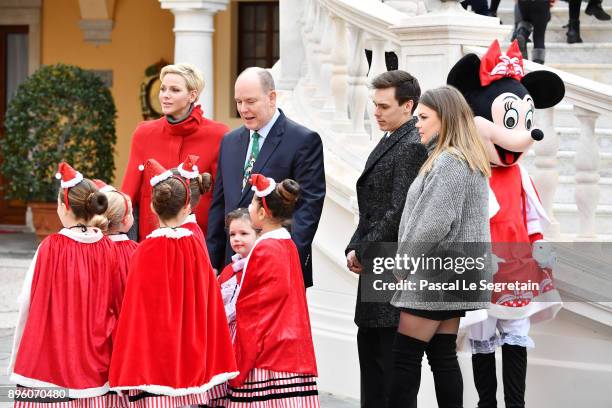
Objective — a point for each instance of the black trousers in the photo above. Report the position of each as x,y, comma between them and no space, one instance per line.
374,346
536,12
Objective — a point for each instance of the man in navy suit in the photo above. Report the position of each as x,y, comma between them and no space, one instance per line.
271,144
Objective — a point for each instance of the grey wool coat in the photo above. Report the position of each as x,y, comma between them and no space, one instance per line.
381,192
446,214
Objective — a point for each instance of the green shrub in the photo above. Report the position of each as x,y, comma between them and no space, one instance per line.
61,112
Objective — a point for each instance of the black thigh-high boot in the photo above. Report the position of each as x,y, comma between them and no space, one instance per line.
514,360
442,355
485,379
406,377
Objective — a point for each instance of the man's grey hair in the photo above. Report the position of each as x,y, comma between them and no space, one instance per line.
265,78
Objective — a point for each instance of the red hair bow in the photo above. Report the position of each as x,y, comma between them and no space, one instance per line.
497,65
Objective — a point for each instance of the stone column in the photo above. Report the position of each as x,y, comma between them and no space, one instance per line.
193,30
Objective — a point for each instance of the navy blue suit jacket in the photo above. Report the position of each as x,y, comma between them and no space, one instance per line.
289,151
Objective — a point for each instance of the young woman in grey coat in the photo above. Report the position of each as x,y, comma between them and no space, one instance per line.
445,217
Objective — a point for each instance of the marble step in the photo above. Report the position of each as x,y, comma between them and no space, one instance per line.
589,32
563,53
559,16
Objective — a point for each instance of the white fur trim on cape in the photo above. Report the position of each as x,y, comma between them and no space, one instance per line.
531,194
267,191
71,183
279,233
493,203
72,393
119,237
175,233
191,218
177,392
188,174
92,235
160,177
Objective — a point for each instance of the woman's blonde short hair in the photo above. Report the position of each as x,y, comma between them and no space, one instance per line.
192,75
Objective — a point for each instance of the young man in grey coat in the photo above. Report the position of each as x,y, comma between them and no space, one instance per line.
381,193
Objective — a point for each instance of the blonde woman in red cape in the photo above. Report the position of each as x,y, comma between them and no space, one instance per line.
172,343
68,305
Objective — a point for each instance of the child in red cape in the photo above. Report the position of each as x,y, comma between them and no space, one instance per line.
115,223
273,343
68,305
242,237
172,343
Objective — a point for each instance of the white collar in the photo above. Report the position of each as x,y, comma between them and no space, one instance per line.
175,233
88,237
263,132
279,233
191,218
118,237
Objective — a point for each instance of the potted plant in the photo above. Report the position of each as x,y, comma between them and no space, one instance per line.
61,112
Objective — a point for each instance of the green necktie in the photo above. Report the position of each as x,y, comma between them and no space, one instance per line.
248,167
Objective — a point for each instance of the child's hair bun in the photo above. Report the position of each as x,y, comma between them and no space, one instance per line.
99,221
96,203
163,194
289,191
204,182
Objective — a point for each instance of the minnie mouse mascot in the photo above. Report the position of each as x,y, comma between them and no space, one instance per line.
504,100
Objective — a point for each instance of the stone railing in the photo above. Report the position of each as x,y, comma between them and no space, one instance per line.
590,100
334,89
324,79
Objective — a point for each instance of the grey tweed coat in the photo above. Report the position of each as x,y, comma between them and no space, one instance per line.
381,192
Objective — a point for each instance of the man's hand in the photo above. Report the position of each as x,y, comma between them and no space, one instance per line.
352,263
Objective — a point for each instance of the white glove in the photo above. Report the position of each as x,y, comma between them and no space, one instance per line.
544,254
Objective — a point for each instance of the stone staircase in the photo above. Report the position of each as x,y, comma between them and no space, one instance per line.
591,59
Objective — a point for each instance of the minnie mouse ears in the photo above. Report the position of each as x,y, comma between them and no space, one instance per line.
471,74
